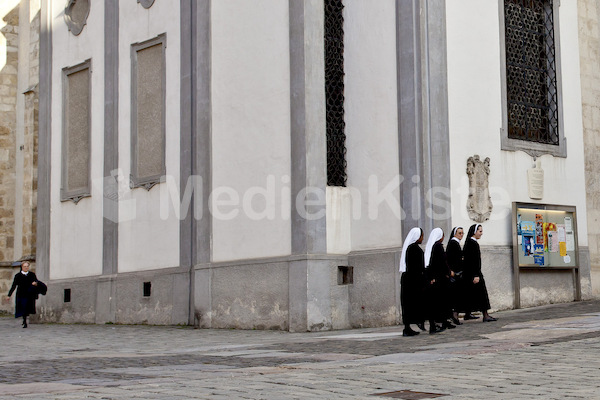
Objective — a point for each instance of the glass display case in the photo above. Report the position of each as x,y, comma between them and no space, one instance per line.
544,238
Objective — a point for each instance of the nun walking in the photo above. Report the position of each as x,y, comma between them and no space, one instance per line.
439,274
477,291
25,282
412,282
454,257
414,285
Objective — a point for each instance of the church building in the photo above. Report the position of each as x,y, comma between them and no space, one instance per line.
256,164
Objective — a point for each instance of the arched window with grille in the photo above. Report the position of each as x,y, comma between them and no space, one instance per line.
532,101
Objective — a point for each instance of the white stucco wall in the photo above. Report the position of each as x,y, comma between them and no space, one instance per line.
76,229
475,114
148,240
250,128
371,116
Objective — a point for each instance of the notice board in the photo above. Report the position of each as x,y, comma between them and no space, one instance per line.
545,238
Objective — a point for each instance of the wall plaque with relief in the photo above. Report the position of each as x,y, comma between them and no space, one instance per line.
535,181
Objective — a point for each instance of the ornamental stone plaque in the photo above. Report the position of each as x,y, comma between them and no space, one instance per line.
535,181
479,203
146,3
76,15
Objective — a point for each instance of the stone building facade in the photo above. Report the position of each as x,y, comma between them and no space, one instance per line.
19,77
589,37
409,81
8,125
184,155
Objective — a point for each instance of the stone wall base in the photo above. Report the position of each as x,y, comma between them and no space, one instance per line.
296,293
119,299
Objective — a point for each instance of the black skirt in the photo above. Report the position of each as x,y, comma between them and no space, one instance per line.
24,306
480,301
412,300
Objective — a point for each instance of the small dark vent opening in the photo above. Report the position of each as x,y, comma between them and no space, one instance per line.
345,275
67,296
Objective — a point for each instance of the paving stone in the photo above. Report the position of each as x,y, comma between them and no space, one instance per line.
493,361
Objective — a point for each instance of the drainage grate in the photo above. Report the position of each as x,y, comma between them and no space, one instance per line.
410,395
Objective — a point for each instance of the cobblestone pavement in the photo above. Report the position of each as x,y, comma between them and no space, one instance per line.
550,352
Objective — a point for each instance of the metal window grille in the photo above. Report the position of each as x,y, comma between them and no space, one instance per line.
334,93
532,96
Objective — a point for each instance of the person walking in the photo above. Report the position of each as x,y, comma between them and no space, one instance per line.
414,285
438,273
454,257
25,283
478,294
412,282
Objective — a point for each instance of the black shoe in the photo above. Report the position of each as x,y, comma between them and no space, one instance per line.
490,319
421,326
409,332
24,324
448,325
456,321
436,329
470,316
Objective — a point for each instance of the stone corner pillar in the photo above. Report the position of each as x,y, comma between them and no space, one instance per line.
309,274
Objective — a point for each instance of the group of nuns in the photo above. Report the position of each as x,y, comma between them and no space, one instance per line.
437,285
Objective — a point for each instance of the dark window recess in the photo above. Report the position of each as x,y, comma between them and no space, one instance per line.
532,96
67,296
334,93
345,275
147,289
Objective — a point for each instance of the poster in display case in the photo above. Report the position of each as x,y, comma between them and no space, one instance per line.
545,238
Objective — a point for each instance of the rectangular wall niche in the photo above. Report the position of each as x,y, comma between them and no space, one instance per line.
148,112
67,296
76,132
345,275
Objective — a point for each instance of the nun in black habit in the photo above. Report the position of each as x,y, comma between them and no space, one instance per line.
25,282
438,273
412,282
477,291
414,285
457,289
